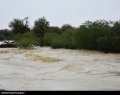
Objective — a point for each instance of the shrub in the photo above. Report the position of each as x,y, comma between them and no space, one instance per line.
2,37
88,34
109,44
48,38
26,40
69,38
58,43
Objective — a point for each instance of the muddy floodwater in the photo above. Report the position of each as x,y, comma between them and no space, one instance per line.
58,69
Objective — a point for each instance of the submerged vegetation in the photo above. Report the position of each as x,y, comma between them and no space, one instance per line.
100,35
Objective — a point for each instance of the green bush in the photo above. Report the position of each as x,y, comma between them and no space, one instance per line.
48,38
2,37
69,38
89,33
54,40
109,44
26,40
58,43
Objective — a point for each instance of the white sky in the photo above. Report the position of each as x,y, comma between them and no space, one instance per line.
59,12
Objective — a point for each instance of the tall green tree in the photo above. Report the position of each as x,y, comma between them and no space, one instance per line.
40,27
19,26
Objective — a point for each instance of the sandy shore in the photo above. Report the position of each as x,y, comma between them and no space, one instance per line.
58,69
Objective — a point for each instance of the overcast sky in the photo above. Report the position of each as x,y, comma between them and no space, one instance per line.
59,12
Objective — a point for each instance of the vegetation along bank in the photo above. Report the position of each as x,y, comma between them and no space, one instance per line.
99,35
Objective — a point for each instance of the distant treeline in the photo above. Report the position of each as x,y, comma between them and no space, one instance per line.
100,35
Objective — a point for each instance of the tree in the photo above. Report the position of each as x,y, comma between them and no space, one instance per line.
40,26
115,31
6,33
19,26
66,26
54,29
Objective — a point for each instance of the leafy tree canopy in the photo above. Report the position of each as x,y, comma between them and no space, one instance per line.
19,26
40,27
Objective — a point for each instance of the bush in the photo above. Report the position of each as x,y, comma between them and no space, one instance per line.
2,37
69,38
89,33
54,40
58,43
109,44
48,38
26,40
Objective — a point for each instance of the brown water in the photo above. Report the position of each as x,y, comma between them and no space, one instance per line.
58,69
